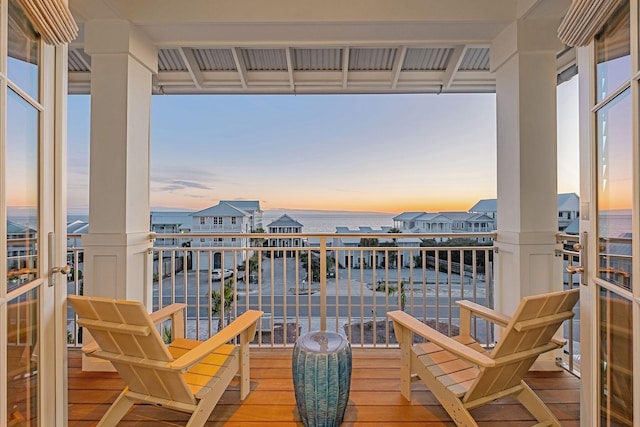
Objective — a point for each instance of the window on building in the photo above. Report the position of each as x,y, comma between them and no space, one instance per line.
201,220
233,220
217,220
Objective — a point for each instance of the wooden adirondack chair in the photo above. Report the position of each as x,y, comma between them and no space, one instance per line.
187,375
463,376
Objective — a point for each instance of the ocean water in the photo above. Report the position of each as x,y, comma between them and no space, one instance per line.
615,224
326,222
611,224
312,221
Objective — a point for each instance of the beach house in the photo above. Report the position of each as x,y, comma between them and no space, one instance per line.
285,225
170,222
234,217
444,223
568,209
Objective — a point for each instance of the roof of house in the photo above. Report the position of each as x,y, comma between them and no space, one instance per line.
573,227
14,228
221,209
485,205
181,219
466,216
369,230
491,205
78,227
568,201
285,221
407,216
245,205
426,216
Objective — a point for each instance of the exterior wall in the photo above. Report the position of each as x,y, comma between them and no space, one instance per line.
285,242
221,224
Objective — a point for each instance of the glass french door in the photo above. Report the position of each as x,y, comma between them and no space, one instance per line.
613,290
31,343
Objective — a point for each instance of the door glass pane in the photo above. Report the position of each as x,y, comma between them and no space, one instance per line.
616,360
22,191
23,360
613,54
24,55
615,190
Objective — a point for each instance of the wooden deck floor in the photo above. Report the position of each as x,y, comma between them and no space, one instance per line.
375,398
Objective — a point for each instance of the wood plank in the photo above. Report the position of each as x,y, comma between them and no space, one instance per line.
375,398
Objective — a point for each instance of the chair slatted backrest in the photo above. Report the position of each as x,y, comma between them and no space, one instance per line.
528,334
129,340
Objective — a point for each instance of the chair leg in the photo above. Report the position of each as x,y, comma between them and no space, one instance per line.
117,411
243,368
406,341
452,404
205,408
536,406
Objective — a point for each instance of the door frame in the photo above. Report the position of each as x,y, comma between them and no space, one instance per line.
589,297
51,199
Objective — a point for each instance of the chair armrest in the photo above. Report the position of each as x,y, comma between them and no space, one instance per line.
166,312
175,312
484,312
246,322
90,348
404,320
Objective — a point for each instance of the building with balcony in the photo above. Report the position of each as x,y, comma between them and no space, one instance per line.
444,223
568,209
285,225
171,223
359,250
234,217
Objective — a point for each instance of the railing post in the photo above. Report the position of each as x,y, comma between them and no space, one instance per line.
323,283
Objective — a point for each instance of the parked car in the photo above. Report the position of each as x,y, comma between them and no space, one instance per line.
216,273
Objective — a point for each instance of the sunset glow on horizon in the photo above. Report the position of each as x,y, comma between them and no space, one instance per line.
363,153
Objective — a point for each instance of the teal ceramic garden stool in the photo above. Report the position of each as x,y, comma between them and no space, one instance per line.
321,377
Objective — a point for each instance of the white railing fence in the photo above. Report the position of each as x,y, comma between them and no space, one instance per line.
344,283
570,359
340,282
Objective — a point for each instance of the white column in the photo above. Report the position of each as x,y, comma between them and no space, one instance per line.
116,247
524,60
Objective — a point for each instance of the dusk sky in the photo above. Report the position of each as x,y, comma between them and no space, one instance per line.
383,153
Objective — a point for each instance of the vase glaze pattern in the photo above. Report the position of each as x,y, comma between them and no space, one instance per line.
321,366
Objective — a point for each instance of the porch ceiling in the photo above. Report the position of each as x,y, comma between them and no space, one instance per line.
307,46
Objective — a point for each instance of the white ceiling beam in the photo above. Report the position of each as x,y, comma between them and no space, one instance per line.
292,84
192,66
345,67
453,65
397,66
242,68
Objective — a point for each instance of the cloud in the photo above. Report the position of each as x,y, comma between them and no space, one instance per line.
174,179
190,184
175,185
